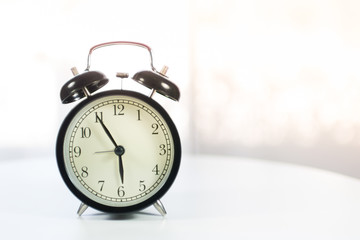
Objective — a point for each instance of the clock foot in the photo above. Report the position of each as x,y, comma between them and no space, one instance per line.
82,209
160,207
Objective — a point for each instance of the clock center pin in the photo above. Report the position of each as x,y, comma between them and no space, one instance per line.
119,150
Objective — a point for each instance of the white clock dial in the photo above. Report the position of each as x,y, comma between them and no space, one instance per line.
118,150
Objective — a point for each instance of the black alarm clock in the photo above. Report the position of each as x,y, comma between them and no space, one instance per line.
118,151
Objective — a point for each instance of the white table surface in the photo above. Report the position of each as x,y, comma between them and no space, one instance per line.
213,197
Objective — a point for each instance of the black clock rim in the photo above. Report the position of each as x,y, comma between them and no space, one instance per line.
105,208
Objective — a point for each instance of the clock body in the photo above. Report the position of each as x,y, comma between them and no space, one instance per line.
89,142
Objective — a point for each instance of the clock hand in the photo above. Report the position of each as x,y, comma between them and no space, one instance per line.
119,150
106,131
121,169
105,151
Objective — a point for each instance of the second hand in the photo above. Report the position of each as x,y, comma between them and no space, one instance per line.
105,151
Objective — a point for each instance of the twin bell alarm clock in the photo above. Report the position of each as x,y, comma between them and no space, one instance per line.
118,151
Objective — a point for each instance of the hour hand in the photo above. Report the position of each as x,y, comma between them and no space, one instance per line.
106,131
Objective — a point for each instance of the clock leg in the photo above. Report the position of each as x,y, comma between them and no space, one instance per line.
82,209
160,207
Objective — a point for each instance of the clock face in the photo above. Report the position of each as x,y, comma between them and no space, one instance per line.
118,151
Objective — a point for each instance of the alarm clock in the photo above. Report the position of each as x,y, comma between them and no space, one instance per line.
118,151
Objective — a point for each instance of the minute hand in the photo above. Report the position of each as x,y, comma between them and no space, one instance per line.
106,131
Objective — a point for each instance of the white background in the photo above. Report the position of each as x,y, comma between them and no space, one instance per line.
258,199
275,79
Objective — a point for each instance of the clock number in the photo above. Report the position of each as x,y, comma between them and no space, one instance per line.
77,151
155,127
101,182
121,191
156,170
85,132
138,115
162,149
118,109
84,172
142,186
98,116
